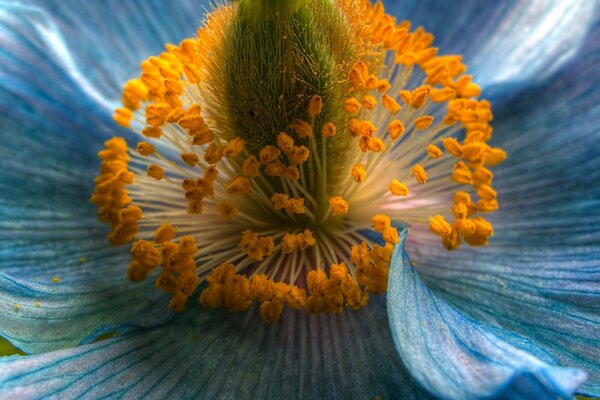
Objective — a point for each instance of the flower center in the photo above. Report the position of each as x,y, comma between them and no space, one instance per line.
275,139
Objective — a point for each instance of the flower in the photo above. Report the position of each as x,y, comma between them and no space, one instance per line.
525,305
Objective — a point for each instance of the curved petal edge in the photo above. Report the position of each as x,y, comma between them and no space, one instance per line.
456,357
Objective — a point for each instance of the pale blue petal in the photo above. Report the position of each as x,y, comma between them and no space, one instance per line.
109,38
540,276
51,126
213,354
503,41
37,317
456,357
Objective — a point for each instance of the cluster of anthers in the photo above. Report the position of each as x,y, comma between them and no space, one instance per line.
281,218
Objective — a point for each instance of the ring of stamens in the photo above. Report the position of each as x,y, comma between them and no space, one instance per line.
280,225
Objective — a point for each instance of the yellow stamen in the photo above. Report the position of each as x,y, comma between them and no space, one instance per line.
398,188
359,173
423,122
419,172
338,205
253,141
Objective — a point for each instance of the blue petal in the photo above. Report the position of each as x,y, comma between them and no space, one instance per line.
53,120
456,357
110,37
539,276
38,317
201,354
503,41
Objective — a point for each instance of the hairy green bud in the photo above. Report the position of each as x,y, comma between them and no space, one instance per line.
274,61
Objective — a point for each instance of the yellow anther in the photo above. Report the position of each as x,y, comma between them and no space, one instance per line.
363,144
352,105
354,127
371,82
134,91
486,192
440,226
211,173
398,188
280,200
485,205
271,311
441,95
123,117
338,205
495,157
453,147
238,186
462,174
291,205
146,254
305,240
289,244
213,153
202,137
276,169
152,132
157,114
234,147
302,128
390,235
423,122
292,173
315,106
174,85
369,102
482,176
390,104
256,247
155,171
55,279
419,96
190,159
396,129
419,173
165,233
328,130
433,151
227,209
475,152
381,222
191,73
285,142
358,75
366,128
466,88
383,85
465,227
406,96
251,167
375,144
359,173
145,149
268,154
191,122
298,155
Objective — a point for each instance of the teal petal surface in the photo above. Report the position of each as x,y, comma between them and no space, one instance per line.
456,357
213,354
540,275
521,41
